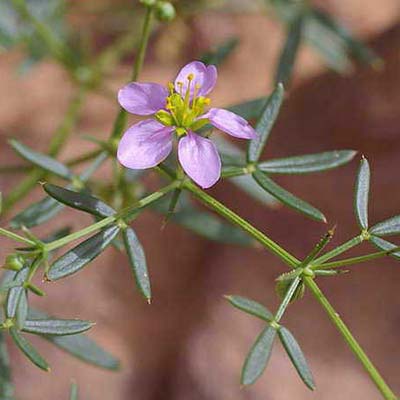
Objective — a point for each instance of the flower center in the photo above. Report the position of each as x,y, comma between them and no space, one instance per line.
184,108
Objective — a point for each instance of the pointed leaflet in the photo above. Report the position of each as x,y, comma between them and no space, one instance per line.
297,357
81,255
290,50
28,350
362,194
307,163
250,307
265,124
383,244
138,263
79,200
388,227
287,198
80,346
258,357
43,161
59,327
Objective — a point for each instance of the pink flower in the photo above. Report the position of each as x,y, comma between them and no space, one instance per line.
180,110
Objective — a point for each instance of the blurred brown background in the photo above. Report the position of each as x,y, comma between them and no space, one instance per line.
190,344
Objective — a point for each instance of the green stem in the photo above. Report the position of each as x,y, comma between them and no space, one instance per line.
350,340
127,214
17,238
339,250
56,144
218,207
120,121
356,260
288,297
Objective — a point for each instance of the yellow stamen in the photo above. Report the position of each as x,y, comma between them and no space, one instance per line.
171,88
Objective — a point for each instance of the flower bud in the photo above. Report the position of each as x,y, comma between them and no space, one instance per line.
165,11
14,262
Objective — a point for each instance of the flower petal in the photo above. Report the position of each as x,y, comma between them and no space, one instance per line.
203,76
230,123
144,145
142,98
200,159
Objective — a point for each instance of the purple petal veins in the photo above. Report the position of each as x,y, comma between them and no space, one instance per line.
199,159
145,145
142,98
230,123
205,77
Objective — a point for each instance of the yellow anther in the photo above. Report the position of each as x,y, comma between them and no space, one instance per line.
197,86
171,87
190,77
207,101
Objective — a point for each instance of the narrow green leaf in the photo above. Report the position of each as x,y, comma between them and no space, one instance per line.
28,350
360,51
43,161
383,244
287,198
221,53
330,47
138,263
22,309
258,357
13,298
81,255
307,163
73,391
15,293
6,386
79,346
362,194
47,208
79,200
265,123
59,327
388,227
289,51
296,356
37,213
250,307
